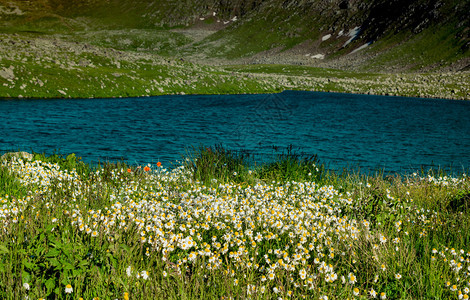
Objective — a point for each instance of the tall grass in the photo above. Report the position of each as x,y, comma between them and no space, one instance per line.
9,184
216,162
222,227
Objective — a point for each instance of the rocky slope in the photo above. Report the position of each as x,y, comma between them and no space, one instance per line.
395,35
112,48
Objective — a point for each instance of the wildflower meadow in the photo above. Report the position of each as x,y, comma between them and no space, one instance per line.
216,227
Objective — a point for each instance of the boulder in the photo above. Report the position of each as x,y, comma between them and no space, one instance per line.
23,155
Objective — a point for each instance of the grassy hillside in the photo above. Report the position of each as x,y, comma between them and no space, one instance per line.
248,27
85,48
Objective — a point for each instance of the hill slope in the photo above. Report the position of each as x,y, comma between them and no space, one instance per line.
436,33
99,48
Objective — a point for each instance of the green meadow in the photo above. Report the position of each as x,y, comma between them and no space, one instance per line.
218,226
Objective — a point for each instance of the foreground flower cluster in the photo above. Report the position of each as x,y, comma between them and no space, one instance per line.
289,239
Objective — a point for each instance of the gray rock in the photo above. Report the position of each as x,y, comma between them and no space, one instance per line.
7,73
24,155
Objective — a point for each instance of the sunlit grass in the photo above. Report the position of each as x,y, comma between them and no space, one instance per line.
220,226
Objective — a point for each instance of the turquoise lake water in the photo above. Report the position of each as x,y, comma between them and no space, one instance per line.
369,132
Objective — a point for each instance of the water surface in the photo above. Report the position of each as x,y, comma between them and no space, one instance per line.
370,132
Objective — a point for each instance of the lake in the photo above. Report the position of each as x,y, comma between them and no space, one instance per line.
344,130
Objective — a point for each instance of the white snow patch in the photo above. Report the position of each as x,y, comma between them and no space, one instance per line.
226,22
62,92
318,56
234,19
360,48
353,33
308,54
326,37
202,19
214,14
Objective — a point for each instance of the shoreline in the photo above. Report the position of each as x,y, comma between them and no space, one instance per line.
267,92
232,94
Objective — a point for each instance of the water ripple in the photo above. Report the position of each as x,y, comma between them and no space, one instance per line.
344,130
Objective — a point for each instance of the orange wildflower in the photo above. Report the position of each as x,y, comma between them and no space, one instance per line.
159,164
129,170
146,168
